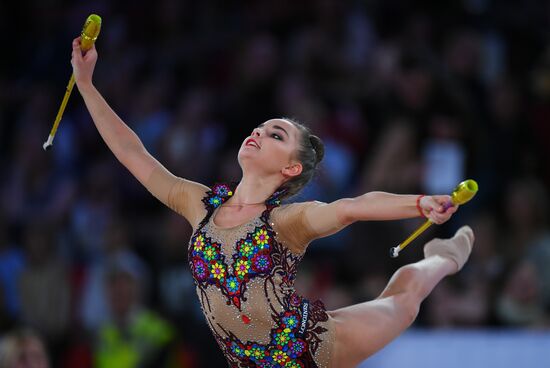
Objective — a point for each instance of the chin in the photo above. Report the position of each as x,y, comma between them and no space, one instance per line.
246,159
255,163
249,154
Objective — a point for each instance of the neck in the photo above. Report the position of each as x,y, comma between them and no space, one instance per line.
254,189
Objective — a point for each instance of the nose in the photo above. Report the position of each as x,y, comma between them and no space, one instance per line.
256,132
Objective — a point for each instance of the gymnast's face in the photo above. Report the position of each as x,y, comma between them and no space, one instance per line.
271,148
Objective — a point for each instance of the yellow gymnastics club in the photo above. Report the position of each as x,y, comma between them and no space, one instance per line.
462,194
89,34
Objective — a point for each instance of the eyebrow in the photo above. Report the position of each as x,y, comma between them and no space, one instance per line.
275,127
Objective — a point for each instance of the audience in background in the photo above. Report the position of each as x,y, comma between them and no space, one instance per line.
410,97
23,349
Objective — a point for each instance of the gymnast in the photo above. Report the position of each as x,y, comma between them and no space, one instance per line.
246,245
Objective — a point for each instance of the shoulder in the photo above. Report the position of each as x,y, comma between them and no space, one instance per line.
296,209
291,223
299,205
191,189
198,187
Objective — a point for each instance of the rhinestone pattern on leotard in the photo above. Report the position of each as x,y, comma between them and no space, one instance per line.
244,279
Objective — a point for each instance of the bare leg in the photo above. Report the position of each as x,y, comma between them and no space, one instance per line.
365,328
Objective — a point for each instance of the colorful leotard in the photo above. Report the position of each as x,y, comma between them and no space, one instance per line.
244,278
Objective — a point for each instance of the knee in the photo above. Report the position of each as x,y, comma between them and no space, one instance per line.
407,279
408,291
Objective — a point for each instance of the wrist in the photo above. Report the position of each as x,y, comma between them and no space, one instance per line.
85,87
418,207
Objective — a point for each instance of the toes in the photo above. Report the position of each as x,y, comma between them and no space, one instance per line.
468,232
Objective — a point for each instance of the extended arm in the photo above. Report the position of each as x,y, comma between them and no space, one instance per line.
120,139
328,218
126,145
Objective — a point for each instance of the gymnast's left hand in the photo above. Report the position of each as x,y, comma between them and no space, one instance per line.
433,208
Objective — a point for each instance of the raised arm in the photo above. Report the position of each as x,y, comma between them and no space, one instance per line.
120,139
128,148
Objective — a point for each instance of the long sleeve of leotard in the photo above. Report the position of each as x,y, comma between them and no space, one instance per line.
296,227
181,195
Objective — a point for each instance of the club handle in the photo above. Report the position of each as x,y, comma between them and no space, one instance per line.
68,91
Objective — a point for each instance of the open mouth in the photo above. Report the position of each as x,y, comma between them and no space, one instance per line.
251,142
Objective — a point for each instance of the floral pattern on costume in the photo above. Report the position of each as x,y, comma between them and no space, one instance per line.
251,259
298,325
215,198
288,347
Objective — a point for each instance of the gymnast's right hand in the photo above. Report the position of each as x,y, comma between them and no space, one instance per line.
83,65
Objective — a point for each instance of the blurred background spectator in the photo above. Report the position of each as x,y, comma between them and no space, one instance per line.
408,96
23,349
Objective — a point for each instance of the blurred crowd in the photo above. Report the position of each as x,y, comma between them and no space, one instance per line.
408,97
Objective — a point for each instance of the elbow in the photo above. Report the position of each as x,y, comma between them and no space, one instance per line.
348,211
127,143
357,209
133,147
127,153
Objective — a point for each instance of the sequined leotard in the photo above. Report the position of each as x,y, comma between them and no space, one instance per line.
244,278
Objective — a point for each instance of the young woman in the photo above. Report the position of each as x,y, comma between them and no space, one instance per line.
246,246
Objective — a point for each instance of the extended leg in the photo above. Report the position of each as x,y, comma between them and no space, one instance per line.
365,328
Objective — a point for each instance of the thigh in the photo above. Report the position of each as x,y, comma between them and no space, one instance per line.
363,329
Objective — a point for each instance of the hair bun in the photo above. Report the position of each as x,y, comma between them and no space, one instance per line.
318,147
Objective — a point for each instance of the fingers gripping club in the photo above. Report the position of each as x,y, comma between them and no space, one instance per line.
460,195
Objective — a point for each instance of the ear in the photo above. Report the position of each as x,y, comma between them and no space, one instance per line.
292,170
